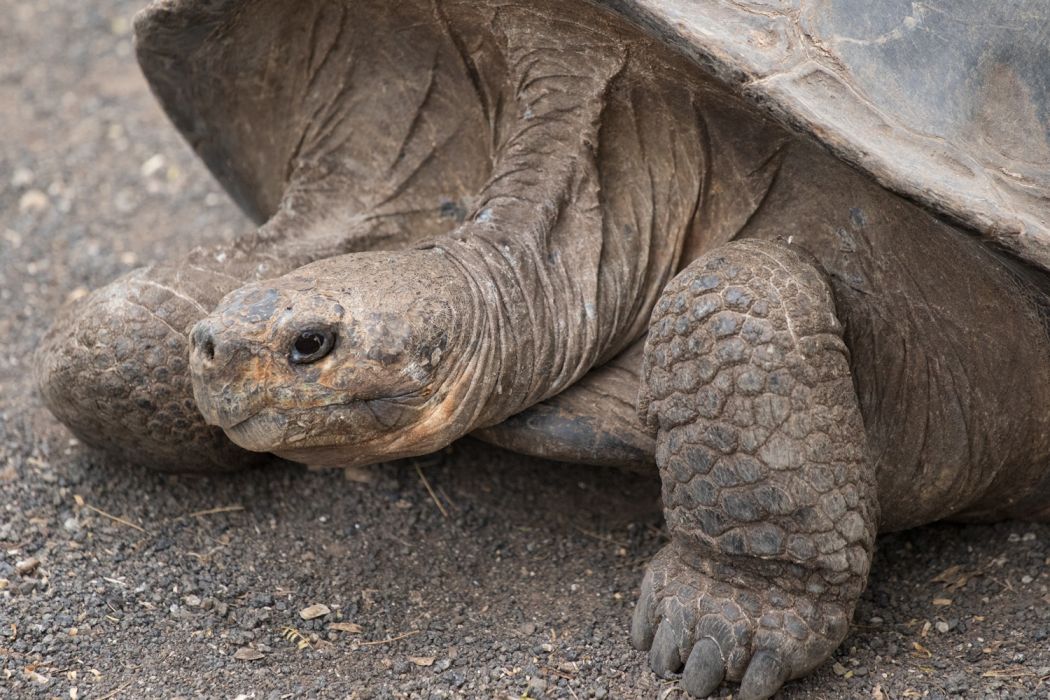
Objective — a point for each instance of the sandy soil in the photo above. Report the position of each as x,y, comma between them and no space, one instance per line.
516,580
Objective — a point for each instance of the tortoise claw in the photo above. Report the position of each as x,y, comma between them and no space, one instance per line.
642,627
705,668
664,656
764,676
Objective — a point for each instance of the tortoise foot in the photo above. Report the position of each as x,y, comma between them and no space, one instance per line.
699,624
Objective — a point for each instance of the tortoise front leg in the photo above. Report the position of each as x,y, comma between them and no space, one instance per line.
768,490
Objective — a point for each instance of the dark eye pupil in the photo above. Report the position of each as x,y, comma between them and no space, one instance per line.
311,346
308,343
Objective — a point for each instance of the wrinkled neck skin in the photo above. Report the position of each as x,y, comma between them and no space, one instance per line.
583,220
594,188
601,176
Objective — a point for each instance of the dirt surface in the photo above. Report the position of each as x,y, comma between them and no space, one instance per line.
514,578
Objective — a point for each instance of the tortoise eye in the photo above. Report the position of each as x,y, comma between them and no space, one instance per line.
311,346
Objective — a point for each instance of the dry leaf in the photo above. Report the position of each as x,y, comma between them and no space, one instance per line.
32,675
314,611
948,575
942,602
953,578
921,650
248,654
350,627
295,636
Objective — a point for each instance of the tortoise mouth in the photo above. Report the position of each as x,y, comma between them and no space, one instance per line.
300,431
256,432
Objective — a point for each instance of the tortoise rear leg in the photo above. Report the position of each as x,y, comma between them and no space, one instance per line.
768,490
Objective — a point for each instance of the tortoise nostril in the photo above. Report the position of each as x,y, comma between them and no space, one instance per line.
204,341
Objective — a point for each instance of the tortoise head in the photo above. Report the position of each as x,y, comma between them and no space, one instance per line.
350,360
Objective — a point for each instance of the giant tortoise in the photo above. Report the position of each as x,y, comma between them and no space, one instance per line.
792,253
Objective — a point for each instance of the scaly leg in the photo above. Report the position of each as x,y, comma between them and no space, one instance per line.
767,487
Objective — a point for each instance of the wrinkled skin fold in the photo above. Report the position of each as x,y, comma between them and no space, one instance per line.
514,220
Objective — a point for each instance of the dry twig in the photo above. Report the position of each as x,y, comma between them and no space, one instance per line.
216,511
114,693
115,518
433,495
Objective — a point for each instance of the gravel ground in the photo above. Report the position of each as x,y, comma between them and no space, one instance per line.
118,583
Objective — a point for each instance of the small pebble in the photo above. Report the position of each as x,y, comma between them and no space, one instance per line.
33,201
22,177
125,201
537,685
27,566
153,165
248,654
